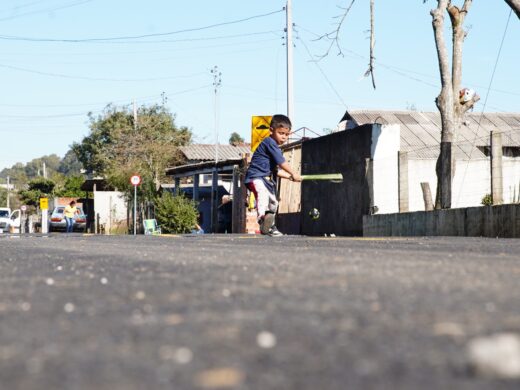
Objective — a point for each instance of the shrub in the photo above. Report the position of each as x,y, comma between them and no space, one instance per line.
175,213
487,200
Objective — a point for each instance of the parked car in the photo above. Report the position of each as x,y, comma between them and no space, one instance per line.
57,220
9,221
5,215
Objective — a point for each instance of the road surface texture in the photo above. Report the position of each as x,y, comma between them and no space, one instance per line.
253,312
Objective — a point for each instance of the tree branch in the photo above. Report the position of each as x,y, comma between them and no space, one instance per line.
333,36
370,70
442,52
457,17
470,103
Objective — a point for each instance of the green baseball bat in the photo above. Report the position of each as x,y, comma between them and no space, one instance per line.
334,177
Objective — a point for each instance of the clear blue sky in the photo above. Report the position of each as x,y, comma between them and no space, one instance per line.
48,87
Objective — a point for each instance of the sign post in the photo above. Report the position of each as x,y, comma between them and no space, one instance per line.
23,218
135,180
44,206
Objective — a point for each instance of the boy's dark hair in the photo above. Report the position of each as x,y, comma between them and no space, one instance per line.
280,120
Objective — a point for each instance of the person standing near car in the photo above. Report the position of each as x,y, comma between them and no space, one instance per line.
69,213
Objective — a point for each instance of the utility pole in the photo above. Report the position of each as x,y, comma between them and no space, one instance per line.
44,170
135,117
289,43
217,81
8,191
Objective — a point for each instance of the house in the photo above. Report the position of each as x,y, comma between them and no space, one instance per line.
197,154
211,176
384,157
419,147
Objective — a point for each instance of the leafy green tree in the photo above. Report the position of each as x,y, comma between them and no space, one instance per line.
176,214
117,148
69,164
16,174
3,197
235,139
71,188
37,188
34,167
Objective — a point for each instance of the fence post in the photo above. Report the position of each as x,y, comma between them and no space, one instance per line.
403,182
496,167
214,201
427,196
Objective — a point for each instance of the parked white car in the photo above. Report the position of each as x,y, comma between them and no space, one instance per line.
9,221
5,219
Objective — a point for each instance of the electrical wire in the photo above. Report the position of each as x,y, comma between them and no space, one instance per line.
18,7
331,86
75,114
93,78
46,10
403,72
488,90
144,36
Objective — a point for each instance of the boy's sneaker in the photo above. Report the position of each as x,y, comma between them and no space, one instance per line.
274,232
266,223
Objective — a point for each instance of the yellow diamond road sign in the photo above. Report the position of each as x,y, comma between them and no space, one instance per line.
259,130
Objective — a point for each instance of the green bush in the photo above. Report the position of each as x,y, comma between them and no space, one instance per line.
487,200
3,197
175,213
37,188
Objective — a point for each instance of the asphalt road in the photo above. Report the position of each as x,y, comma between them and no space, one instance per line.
250,312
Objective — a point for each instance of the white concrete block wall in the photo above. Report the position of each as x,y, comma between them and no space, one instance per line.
511,179
111,207
471,183
384,153
420,171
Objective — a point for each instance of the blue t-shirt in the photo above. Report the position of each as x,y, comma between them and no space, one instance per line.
265,159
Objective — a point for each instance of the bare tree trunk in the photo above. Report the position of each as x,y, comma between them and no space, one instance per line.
515,6
445,105
450,107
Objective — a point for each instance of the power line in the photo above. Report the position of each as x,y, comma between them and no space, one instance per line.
92,78
322,72
47,10
120,38
489,89
406,72
67,115
18,7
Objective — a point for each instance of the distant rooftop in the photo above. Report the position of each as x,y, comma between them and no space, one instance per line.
421,131
204,152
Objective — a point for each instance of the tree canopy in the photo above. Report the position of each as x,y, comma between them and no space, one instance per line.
235,139
21,173
118,146
37,188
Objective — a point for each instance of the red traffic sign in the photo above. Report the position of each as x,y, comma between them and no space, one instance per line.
135,180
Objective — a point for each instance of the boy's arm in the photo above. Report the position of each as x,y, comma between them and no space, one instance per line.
288,173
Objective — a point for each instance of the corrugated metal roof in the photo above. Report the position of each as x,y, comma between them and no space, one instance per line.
421,131
203,152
